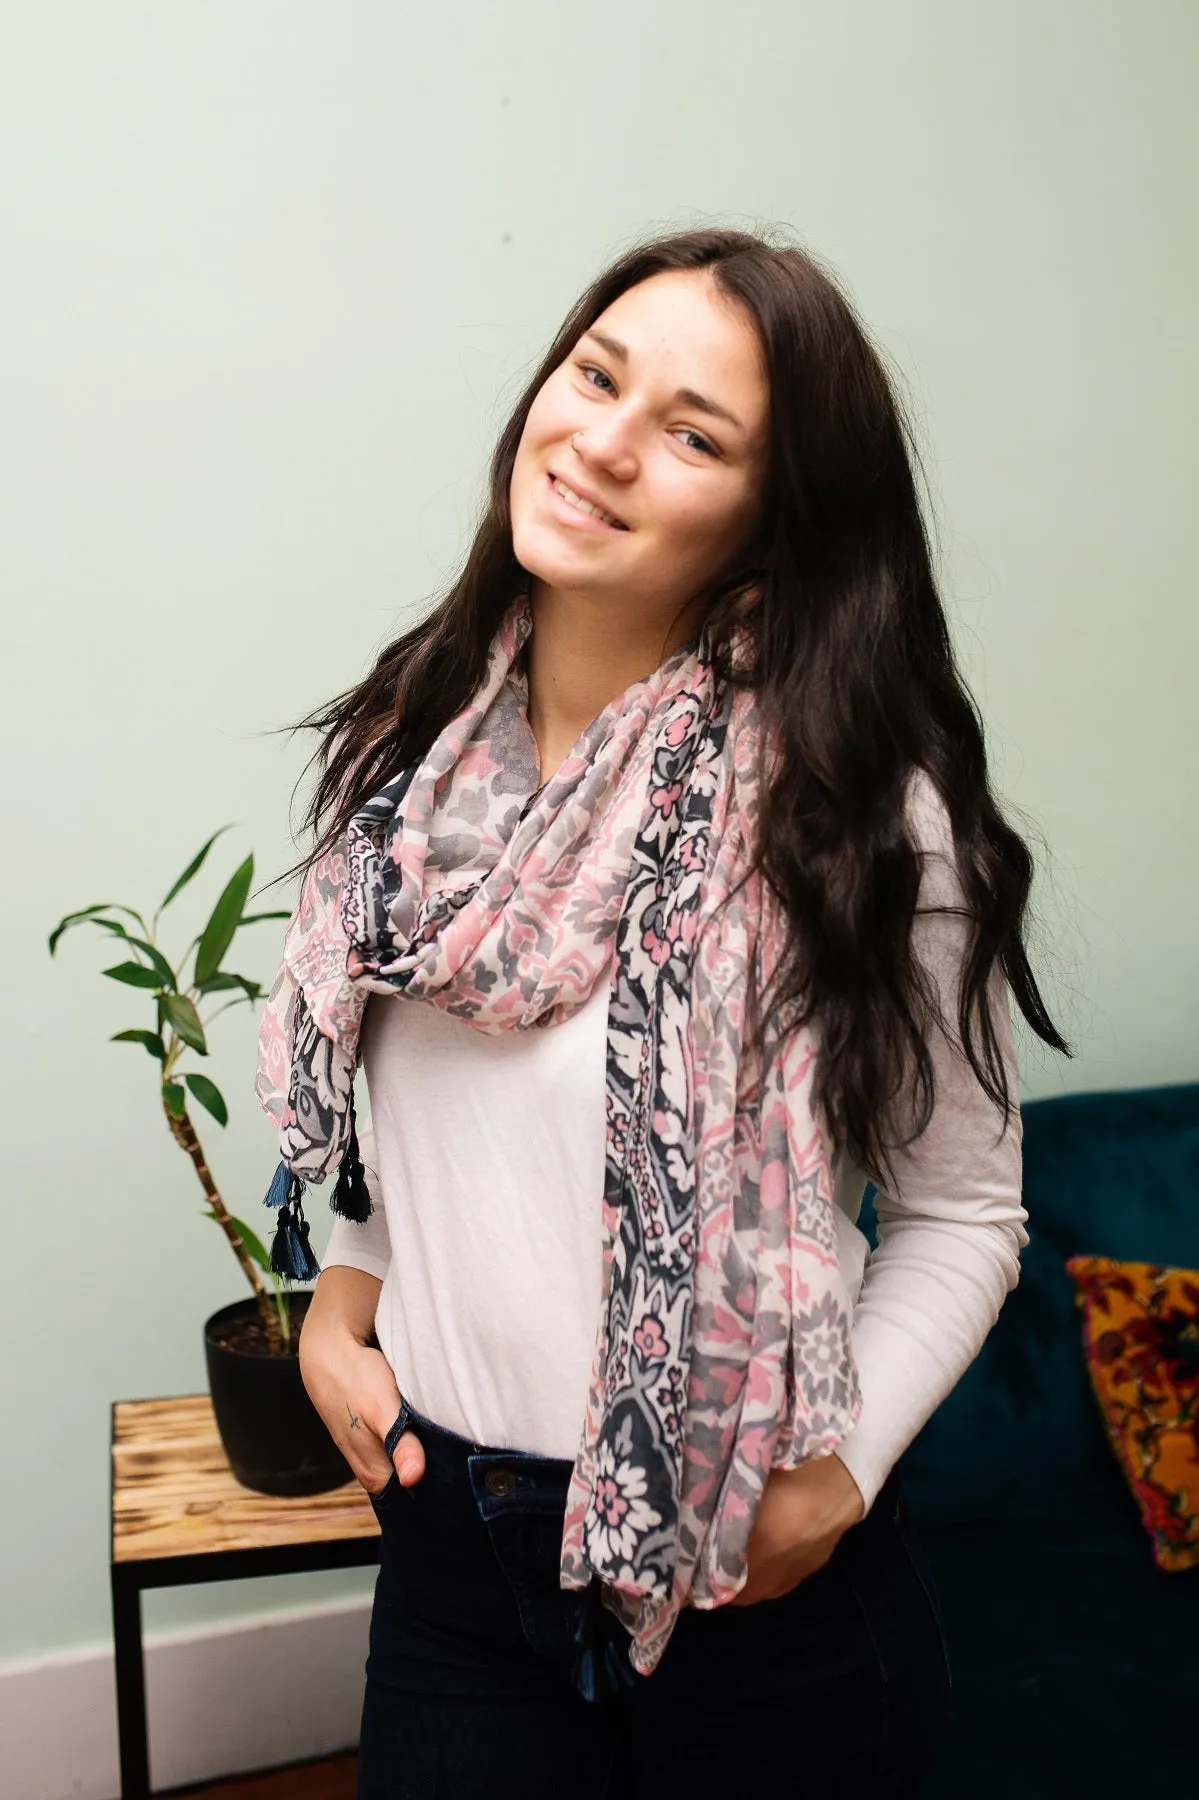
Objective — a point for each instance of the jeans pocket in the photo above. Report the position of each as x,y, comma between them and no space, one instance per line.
386,1493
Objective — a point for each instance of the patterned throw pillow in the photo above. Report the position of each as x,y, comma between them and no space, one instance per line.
1141,1341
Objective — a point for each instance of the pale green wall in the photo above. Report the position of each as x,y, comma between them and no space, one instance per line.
270,276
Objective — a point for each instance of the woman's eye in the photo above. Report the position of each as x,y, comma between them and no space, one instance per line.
701,442
590,369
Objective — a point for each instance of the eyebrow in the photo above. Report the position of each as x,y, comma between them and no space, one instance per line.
687,395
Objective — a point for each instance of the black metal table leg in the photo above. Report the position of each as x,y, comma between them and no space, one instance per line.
132,1731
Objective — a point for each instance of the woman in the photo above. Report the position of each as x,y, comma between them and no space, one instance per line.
682,769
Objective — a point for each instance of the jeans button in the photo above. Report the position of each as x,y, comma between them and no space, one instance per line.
499,1481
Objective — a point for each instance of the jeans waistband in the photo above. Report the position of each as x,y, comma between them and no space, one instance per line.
502,1478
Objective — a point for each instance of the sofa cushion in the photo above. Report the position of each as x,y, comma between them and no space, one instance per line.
1141,1343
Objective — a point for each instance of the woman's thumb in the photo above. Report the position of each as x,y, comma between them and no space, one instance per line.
409,1459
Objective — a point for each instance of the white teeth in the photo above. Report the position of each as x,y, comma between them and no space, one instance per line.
560,487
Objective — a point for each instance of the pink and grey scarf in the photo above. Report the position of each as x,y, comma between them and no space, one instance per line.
723,1348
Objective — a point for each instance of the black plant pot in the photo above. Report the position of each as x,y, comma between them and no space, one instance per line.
276,1441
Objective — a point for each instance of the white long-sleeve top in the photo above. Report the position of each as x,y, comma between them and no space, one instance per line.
485,1163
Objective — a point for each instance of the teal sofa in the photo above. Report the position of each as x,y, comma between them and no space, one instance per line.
1074,1659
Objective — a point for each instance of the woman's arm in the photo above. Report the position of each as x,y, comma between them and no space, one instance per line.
951,1228
351,1383
951,1224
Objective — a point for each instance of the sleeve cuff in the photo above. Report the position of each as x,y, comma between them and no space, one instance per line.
868,1470
340,1257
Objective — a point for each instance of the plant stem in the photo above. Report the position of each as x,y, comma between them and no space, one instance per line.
183,1132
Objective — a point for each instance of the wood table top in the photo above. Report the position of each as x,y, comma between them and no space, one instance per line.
174,1494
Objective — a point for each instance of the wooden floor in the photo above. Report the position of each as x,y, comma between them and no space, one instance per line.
333,1779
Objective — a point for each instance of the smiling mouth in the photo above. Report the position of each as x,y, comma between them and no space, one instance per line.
565,492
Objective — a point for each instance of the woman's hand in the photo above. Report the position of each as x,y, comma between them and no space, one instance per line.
351,1385
801,1517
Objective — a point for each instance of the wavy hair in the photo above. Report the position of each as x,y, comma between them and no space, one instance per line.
857,681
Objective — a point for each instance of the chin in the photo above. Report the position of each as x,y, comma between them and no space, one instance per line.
542,554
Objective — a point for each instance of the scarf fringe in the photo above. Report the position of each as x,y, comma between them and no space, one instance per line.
602,1668
291,1253
280,1189
351,1197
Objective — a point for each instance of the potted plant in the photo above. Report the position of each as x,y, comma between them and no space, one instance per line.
274,1438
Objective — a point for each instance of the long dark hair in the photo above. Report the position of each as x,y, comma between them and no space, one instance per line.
858,687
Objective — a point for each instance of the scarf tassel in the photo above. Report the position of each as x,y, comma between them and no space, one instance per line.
602,1667
279,1191
351,1197
291,1253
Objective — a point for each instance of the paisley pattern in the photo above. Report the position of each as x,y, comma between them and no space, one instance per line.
723,1347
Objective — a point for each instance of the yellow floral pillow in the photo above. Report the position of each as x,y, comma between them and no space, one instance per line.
1141,1341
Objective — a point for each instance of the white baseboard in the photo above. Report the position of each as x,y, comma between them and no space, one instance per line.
222,1700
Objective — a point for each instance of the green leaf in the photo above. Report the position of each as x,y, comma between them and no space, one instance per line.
221,983
257,918
254,1245
218,933
150,1039
135,975
166,975
175,1098
158,960
193,868
209,1096
75,918
185,1020
88,914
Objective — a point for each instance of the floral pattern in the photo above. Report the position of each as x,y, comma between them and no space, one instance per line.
1141,1337
723,1346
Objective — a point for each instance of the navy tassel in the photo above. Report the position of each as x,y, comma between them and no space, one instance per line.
602,1667
291,1256
280,1189
306,1266
291,1253
280,1257
351,1196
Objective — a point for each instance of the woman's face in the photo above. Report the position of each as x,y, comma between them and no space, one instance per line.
659,415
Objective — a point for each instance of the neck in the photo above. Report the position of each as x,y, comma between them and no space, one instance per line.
581,653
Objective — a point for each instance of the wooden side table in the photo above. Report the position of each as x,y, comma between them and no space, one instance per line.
178,1517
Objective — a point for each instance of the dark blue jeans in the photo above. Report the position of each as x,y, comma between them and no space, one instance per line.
838,1690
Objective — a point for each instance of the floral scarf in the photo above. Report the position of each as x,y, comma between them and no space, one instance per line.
723,1347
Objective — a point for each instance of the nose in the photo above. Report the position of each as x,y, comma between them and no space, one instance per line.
607,445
